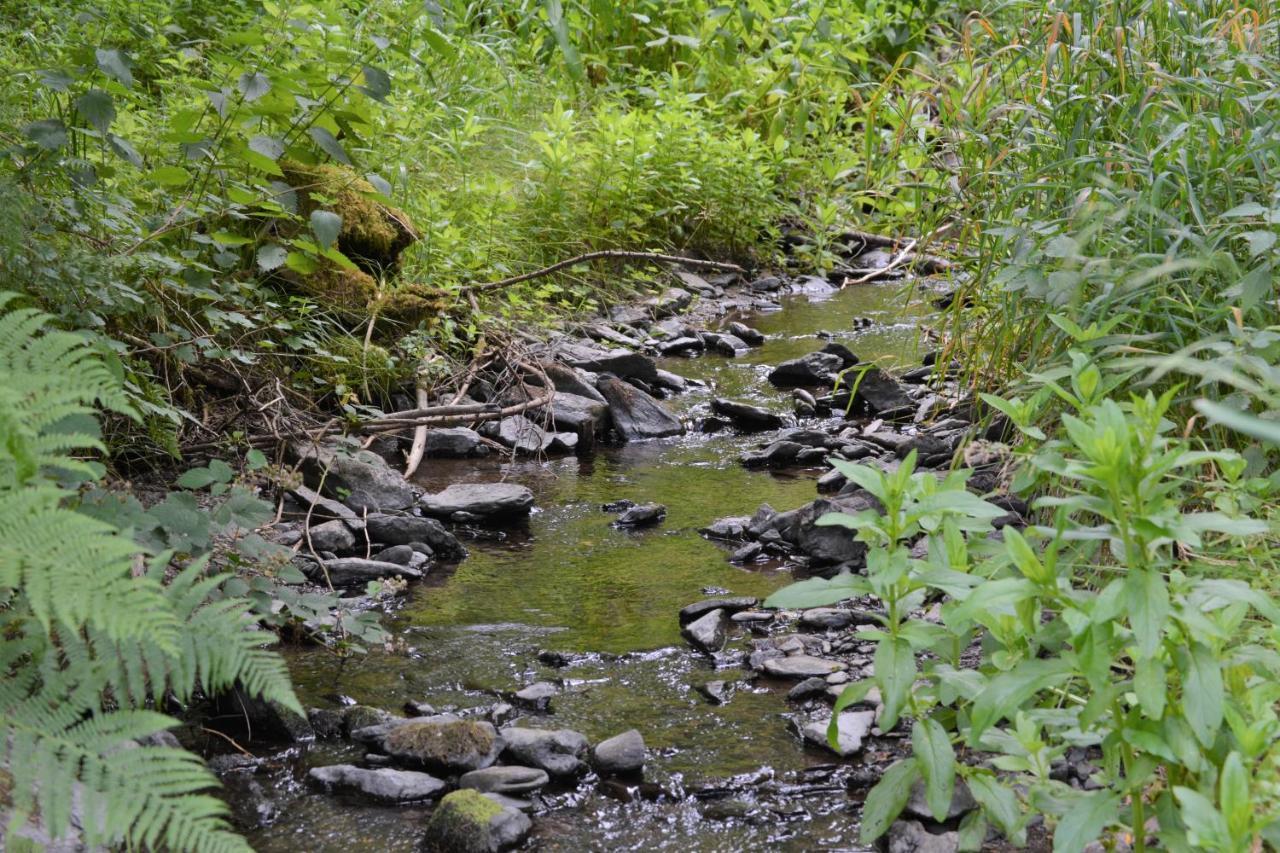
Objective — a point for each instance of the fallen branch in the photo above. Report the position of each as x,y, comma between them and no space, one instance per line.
611,254
877,273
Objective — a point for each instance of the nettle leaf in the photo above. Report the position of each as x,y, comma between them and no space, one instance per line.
271,256
937,761
170,176
50,133
325,224
888,798
116,65
329,144
267,146
56,79
253,85
1085,821
124,150
196,478
377,84
96,107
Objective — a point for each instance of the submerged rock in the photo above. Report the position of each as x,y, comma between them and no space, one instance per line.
442,743
558,752
642,515
467,821
747,417
483,500
635,414
816,368
620,755
384,784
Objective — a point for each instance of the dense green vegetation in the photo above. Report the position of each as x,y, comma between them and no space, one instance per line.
175,180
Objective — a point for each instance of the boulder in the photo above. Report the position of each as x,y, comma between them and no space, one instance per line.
466,821
910,836
522,435
482,500
359,478
577,414
747,334
401,555
621,363
384,784
442,743
725,344
570,380
558,752
846,356
816,368
451,442
620,755
335,536
851,727
881,393
357,571
747,417
828,546
643,515
509,780
707,632
962,802
680,345
635,414
410,529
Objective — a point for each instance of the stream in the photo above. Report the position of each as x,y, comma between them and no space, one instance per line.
567,581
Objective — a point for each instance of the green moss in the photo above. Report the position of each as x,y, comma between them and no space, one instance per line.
451,744
460,824
373,234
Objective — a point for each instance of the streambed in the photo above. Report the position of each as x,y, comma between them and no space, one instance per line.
719,777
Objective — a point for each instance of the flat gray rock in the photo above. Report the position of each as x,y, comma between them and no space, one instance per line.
483,500
510,780
730,605
852,727
707,632
802,666
408,529
451,442
559,752
635,414
383,784
620,755
354,571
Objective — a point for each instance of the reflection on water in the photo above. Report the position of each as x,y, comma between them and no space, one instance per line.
566,580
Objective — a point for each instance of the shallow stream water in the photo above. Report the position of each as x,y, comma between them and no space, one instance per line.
567,581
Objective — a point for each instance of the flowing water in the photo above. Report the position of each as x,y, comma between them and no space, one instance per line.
567,581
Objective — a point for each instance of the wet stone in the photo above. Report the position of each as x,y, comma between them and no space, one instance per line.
801,666
443,743
558,752
747,417
643,515
851,728
750,336
816,368
910,836
620,755
707,632
828,618
355,571
537,696
383,784
510,780
730,605
962,802
483,500
747,552
732,528
807,689
467,821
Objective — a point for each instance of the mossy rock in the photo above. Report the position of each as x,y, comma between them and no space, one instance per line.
362,716
444,745
467,821
356,293
372,234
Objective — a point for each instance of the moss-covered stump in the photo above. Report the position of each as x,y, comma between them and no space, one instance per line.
373,234
467,821
444,744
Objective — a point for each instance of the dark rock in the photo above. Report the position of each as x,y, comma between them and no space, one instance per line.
747,417
483,500
333,536
467,821
816,368
747,334
812,456
618,505
643,515
880,393
577,414
325,722
697,283
767,284
671,382
620,755
512,781
962,802
357,571
442,743
729,605
604,333
846,356
716,692
620,363
851,727
266,718
356,717
570,380
834,618
681,345
403,555
910,836
832,481
807,689
802,666
410,529
359,478
747,553
776,455
558,752
725,344
707,632
451,442
635,414
830,545
385,784
521,434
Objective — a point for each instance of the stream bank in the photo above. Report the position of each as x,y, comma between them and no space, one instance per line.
565,598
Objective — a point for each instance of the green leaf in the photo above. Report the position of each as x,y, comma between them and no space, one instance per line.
815,592
1150,685
116,65
1025,558
1233,794
895,666
1244,422
999,803
326,225
1085,820
253,85
329,144
887,799
1147,600
301,263
271,256
170,176
124,149
1202,692
196,478
96,107
937,761
377,84
1006,692
50,133
1206,827
255,459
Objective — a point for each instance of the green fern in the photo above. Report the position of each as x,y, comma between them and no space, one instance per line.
87,644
